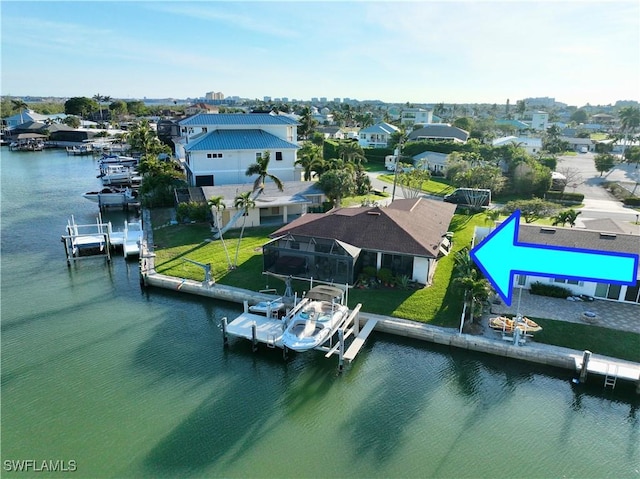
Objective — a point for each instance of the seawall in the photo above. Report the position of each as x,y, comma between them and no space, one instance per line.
539,353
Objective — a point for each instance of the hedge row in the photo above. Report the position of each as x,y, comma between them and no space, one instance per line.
550,290
559,195
633,201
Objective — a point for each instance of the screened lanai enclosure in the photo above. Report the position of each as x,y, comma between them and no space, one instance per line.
318,258
327,259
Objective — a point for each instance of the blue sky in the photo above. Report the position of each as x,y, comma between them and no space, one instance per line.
425,52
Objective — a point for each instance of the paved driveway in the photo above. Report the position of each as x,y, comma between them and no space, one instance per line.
610,314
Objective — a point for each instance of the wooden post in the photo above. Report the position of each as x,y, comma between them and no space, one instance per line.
225,339
254,337
585,363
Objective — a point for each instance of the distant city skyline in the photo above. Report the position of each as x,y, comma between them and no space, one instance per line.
418,52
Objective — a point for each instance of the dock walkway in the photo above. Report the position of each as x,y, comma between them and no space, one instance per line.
565,358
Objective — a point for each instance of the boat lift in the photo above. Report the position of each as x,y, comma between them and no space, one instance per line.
207,271
86,241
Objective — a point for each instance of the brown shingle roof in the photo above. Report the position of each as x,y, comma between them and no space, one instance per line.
411,226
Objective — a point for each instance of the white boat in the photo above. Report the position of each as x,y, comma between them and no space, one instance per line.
110,196
118,174
81,150
316,320
118,160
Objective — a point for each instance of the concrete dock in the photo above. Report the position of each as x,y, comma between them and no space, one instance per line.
539,353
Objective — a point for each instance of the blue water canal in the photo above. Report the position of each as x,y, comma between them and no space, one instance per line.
127,382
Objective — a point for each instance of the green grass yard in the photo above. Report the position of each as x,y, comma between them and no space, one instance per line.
439,304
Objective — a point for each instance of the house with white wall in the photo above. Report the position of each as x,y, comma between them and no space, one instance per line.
584,239
416,116
533,146
376,136
406,237
540,120
272,206
217,149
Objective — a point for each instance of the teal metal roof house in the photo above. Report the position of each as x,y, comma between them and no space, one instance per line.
217,149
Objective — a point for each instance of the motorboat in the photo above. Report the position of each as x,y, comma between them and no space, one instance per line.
81,150
317,318
118,160
507,325
111,196
119,174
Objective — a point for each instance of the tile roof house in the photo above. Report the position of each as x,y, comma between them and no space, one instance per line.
217,149
407,237
584,239
376,136
437,131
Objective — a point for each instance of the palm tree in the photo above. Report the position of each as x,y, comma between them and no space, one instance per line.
629,121
309,157
99,98
352,152
20,105
467,278
260,168
569,216
243,202
217,203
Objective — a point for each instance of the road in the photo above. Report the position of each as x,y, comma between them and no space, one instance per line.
598,202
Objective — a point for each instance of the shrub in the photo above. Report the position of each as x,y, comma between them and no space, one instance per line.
192,211
385,275
369,271
632,201
551,290
564,197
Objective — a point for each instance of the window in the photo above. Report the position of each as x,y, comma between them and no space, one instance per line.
609,291
258,156
568,281
278,156
214,155
204,129
522,279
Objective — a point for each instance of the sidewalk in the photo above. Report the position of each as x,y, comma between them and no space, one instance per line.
610,314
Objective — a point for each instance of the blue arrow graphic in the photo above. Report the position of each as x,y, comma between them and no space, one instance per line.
500,257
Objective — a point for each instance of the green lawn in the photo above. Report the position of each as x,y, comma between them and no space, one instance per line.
439,304
436,304
436,186
608,342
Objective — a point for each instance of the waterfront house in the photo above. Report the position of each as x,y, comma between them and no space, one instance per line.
584,239
376,136
407,237
273,206
217,149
